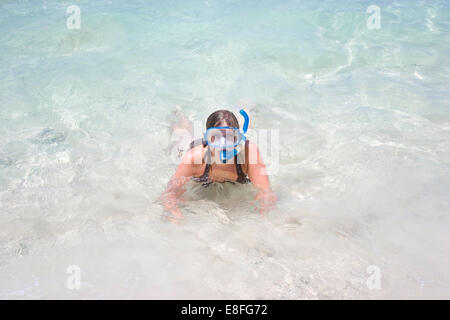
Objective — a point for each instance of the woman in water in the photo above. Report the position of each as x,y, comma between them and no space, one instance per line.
223,155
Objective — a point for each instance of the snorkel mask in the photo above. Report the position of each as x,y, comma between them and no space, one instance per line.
227,138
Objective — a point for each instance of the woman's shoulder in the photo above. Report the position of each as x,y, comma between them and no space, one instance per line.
192,161
197,142
251,154
195,155
252,150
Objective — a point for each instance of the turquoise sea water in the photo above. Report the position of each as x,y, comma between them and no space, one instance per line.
364,161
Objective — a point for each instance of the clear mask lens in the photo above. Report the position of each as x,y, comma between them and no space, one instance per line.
223,138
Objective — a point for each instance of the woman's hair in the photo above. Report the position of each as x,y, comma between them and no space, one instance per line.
222,116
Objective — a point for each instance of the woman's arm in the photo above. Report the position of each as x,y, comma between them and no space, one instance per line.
185,170
258,175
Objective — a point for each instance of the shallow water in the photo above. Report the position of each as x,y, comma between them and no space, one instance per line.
364,159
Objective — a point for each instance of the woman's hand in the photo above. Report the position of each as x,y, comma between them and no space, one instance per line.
170,202
176,217
265,201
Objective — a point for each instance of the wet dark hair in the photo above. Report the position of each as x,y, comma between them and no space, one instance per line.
219,116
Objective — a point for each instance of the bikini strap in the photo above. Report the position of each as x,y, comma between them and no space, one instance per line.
242,177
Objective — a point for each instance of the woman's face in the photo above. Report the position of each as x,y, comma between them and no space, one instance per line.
220,139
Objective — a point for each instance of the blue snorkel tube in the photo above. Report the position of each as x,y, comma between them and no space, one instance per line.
247,120
226,155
